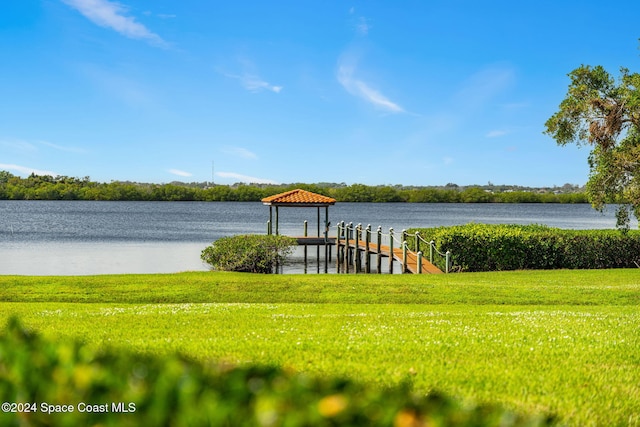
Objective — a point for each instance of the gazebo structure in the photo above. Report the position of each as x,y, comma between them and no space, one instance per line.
298,199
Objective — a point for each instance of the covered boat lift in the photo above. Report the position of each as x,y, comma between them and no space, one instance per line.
298,199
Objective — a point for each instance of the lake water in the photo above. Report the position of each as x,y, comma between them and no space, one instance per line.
81,238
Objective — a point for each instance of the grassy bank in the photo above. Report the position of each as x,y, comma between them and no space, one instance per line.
565,287
564,342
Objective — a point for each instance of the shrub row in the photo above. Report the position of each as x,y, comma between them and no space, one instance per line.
248,253
90,387
486,247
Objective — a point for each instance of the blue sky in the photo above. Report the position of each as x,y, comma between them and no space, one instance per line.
372,92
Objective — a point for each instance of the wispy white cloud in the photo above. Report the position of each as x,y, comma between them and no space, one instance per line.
245,178
113,15
516,105
484,85
33,146
497,133
25,170
362,24
249,77
160,15
240,152
179,172
62,147
353,85
18,145
254,83
116,84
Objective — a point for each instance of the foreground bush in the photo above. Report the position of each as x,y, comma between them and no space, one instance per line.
486,247
249,253
88,387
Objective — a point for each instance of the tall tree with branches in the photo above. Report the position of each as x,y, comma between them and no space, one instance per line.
604,113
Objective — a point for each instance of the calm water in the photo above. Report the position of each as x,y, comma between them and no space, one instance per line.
78,238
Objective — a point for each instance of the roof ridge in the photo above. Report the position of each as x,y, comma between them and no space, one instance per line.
299,196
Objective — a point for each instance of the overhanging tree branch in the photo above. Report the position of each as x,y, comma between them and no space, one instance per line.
604,113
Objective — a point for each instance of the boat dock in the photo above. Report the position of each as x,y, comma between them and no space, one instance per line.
356,252
355,246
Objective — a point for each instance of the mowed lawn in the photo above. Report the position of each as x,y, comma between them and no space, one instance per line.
563,342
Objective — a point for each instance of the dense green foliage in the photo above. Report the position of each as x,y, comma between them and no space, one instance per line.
604,113
64,188
250,253
66,383
487,247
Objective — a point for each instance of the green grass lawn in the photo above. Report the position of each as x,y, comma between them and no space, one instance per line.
566,342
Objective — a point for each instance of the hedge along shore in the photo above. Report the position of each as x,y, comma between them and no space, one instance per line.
497,247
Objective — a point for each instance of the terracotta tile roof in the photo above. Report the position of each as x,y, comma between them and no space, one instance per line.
299,197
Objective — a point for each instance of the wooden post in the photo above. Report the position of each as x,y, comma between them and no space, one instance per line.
379,257
404,251
305,248
349,255
404,256
338,248
277,231
339,255
417,241
419,262
367,260
431,244
357,264
326,247
326,219
391,250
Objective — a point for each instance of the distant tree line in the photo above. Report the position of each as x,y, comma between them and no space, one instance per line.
45,187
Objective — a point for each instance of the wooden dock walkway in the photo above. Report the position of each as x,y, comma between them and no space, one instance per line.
398,255
354,247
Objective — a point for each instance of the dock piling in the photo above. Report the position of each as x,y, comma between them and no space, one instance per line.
378,250
404,255
391,250
367,249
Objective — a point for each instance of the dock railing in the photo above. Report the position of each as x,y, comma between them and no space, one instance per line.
368,241
433,251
